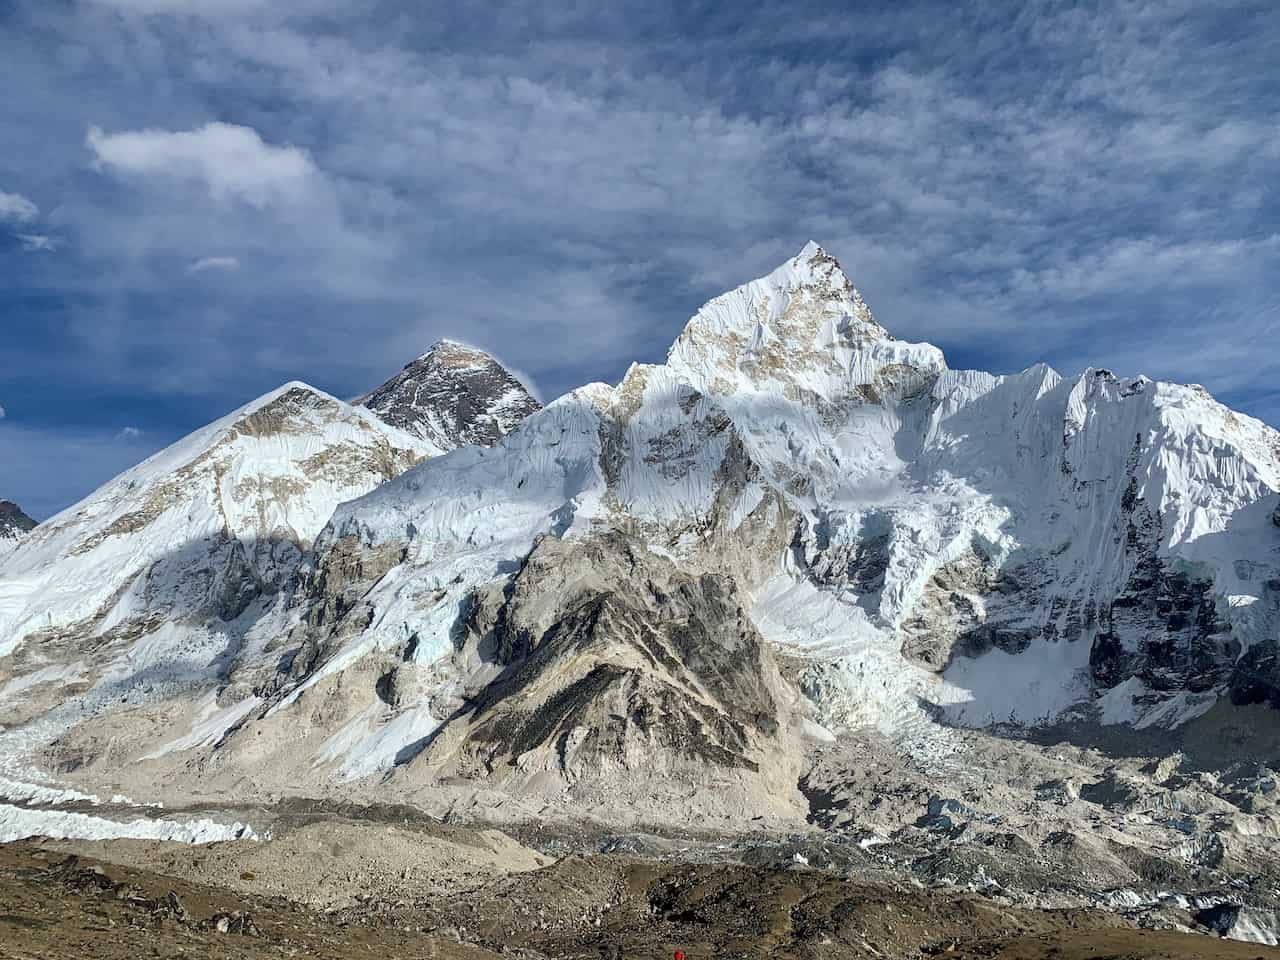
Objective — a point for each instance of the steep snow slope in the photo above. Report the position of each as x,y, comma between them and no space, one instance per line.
14,526
452,396
991,548
148,591
203,527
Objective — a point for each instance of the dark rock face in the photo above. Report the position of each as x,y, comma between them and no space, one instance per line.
1163,625
1256,677
1017,589
614,659
334,594
453,396
13,522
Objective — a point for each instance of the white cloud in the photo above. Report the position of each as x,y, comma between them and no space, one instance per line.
129,433
36,242
214,263
16,207
230,161
3,414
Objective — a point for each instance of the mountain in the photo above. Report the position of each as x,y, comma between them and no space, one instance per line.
795,528
452,396
14,525
205,528
921,542
802,580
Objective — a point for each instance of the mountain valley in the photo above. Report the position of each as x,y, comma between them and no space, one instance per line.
799,609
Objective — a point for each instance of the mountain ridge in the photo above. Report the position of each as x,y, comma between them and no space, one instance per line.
803,580
913,543
760,346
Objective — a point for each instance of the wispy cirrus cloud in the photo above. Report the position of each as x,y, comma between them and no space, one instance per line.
38,242
206,264
16,210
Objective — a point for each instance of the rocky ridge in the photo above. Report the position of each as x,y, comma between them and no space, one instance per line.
171,578
910,537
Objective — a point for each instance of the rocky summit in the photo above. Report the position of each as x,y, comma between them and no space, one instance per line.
14,525
802,588
453,395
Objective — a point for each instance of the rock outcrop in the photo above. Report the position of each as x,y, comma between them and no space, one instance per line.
14,525
601,667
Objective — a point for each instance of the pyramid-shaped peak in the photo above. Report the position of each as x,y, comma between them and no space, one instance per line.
291,406
296,391
453,395
813,252
813,266
796,325
446,345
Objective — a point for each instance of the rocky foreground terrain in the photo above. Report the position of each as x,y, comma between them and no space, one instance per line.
385,882
1012,849
799,643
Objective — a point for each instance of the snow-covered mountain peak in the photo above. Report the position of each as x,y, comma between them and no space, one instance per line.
915,530
453,395
12,517
287,408
802,330
454,353
205,525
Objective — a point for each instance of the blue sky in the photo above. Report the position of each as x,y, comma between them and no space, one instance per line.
200,199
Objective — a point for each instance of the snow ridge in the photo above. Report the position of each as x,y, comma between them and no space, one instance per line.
205,525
